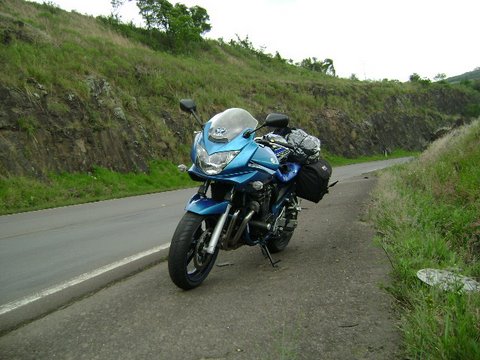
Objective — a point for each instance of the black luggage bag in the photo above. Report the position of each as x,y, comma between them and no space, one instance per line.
312,181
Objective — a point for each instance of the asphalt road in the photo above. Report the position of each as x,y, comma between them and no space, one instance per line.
41,249
322,302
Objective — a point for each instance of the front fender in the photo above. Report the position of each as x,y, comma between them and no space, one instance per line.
205,206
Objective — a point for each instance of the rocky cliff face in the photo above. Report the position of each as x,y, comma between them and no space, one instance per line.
399,125
37,136
35,140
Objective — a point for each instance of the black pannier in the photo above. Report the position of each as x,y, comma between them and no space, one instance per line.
312,181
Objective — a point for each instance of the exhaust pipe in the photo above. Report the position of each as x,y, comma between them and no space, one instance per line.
242,227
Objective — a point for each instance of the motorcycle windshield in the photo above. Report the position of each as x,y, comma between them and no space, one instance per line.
229,124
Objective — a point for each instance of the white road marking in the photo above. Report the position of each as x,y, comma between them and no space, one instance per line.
77,280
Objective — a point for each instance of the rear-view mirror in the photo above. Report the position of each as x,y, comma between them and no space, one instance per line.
277,120
188,105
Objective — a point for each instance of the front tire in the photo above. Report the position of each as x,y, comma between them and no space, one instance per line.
188,263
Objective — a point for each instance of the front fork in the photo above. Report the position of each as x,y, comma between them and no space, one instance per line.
230,239
212,244
217,231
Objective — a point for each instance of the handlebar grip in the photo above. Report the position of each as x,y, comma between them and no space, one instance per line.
263,141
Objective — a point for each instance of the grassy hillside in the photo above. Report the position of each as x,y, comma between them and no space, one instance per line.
473,75
435,223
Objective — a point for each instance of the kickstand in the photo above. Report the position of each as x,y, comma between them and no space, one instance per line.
266,253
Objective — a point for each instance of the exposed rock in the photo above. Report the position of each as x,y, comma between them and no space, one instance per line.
99,88
442,131
119,114
12,29
76,141
76,134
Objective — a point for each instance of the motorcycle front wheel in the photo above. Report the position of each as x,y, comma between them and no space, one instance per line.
188,263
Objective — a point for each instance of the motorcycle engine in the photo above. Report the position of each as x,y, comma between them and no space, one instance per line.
263,199
260,199
265,221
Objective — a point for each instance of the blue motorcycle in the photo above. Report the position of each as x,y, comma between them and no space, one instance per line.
247,197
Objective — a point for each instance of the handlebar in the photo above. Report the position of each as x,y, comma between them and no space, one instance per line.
273,142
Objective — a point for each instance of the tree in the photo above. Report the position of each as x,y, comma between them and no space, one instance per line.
328,67
325,66
156,13
440,76
414,77
178,22
200,19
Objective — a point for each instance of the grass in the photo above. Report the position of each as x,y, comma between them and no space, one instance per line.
428,216
19,194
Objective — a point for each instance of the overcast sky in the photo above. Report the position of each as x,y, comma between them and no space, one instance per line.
374,39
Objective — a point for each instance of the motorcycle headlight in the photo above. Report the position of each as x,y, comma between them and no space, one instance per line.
215,163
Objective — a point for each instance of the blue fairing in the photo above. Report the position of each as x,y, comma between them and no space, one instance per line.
241,177
205,206
251,161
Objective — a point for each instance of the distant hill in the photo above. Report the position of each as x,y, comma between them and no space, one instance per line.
471,75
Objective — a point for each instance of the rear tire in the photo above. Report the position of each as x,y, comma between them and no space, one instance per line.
280,242
188,263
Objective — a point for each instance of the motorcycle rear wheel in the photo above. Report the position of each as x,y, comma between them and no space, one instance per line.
279,242
188,263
